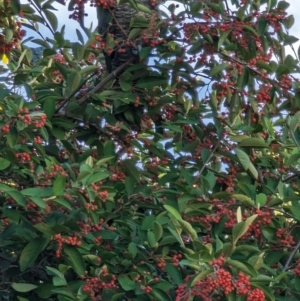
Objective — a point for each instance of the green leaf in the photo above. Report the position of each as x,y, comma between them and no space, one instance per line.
98,177
4,163
253,142
262,26
223,37
78,51
261,199
132,248
292,159
40,192
160,295
199,276
50,106
187,227
39,201
256,261
151,239
23,287
62,202
131,170
54,271
158,230
15,6
129,185
241,228
75,259
80,37
151,81
73,82
244,199
31,252
126,283
104,160
51,18
243,158
64,292
219,68
174,273
17,196
45,229
57,281
240,266
59,185
173,212
134,33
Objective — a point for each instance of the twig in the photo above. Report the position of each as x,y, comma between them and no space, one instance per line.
74,92
105,81
291,257
292,177
45,20
207,160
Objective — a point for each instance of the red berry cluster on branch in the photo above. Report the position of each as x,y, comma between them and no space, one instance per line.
218,283
75,240
95,285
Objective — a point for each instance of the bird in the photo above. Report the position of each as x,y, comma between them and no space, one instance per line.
123,27
116,21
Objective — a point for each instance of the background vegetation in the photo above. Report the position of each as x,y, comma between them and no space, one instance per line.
180,183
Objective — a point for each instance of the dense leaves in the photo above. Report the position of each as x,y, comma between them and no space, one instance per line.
178,182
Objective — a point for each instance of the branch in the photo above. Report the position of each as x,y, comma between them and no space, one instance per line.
105,81
74,92
207,160
40,12
291,257
290,178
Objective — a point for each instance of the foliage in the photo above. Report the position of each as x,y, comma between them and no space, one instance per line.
99,201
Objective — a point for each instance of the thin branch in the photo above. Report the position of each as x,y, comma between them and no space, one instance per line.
290,178
207,160
41,14
74,92
291,257
105,81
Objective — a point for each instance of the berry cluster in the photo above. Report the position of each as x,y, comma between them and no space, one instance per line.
38,140
256,295
95,285
6,128
264,218
117,174
90,206
75,240
147,289
175,259
6,43
285,238
40,121
218,283
104,3
45,178
23,157
242,284
88,227
161,263
23,114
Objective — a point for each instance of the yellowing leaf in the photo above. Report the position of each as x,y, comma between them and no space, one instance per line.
5,59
